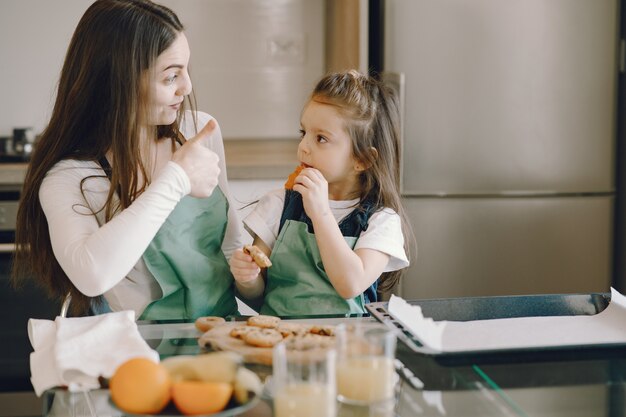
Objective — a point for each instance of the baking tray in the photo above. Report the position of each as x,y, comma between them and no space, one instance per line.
485,308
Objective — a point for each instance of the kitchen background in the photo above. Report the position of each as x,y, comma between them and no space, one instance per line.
512,165
510,117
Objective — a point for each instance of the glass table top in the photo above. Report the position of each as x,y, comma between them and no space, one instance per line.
585,383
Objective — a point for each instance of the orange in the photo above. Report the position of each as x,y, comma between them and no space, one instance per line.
140,386
200,397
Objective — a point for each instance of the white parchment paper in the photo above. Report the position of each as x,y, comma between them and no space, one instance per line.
606,327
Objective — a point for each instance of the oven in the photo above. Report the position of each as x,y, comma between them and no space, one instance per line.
16,307
9,201
11,180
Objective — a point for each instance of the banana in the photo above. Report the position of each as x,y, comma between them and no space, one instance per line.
180,367
217,366
208,367
222,367
246,381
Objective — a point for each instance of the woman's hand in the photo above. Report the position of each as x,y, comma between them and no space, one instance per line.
243,267
314,189
199,162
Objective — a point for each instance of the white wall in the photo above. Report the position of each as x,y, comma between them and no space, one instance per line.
253,62
244,192
34,35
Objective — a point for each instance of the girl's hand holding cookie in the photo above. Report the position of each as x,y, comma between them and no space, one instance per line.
243,267
199,162
259,257
314,189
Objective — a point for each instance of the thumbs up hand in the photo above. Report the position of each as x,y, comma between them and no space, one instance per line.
199,162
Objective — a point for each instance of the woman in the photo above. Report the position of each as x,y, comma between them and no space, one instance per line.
116,202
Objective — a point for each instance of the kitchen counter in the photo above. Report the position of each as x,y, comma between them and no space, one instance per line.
245,159
260,159
12,173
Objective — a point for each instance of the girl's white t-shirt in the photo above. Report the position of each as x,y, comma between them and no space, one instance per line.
106,258
384,231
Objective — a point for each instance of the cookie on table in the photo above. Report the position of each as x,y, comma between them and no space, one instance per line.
206,323
309,341
266,322
239,331
292,329
262,337
323,330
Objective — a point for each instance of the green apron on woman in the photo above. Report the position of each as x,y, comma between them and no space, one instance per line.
186,259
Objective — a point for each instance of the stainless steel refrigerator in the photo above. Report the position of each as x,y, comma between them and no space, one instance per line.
509,142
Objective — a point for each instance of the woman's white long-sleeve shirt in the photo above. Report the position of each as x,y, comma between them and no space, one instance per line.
106,258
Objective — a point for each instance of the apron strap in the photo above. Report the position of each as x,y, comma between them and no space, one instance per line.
106,167
350,226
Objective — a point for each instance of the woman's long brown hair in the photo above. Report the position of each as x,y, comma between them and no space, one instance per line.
372,114
100,107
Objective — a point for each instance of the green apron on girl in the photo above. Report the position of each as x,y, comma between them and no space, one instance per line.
297,283
186,259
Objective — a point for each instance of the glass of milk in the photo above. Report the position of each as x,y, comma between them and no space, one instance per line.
365,363
304,382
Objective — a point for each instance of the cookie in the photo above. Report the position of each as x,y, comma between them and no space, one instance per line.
239,331
291,180
292,329
323,330
261,337
266,322
309,341
258,255
206,323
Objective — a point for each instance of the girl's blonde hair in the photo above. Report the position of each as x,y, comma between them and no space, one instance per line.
372,119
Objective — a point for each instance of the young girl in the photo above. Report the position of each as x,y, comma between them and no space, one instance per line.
117,204
337,238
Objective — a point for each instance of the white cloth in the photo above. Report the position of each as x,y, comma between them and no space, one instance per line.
75,351
106,258
384,232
